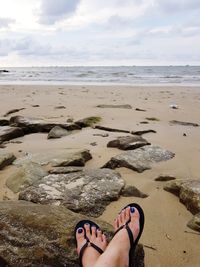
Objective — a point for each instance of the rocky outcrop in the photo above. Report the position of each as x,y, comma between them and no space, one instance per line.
194,224
188,192
140,159
25,176
7,133
184,123
57,132
126,106
43,236
35,125
132,191
87,192
128,142
6,159
57,158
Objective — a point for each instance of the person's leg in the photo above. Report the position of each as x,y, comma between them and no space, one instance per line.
117,252
95,236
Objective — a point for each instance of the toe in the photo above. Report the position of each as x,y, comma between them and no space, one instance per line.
99,234
87,230
135,216
79,234
94,231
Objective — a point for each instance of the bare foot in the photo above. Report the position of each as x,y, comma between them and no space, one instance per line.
118,252
96,237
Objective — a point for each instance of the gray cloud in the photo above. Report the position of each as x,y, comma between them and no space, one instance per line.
180,5
5,22
52,11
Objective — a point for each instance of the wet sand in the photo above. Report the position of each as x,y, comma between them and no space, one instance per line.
166,217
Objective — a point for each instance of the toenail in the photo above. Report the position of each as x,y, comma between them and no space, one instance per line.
132,209
80,230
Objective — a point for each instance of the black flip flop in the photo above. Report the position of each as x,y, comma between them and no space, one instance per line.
133,242
81,225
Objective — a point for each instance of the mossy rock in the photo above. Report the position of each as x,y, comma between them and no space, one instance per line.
88,122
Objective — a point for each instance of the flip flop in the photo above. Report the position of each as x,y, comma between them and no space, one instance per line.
81,225
133,242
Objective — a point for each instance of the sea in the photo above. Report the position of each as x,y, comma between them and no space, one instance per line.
97,75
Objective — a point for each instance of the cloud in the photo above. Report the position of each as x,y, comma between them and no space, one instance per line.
53,11
177,6
5,22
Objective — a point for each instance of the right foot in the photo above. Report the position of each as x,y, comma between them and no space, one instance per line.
121,239
90,254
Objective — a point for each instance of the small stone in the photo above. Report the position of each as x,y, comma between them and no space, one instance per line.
164,178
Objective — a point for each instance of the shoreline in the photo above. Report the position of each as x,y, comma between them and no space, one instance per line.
165,215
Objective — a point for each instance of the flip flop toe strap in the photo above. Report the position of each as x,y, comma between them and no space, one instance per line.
87,244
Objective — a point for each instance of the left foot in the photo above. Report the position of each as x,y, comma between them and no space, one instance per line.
96,237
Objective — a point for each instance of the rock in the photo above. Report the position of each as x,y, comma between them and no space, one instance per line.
4,71
102,135
60,107
139,109
93,144
57,158
35,125
115,106
144,122
57,132
7,133
6,159
35,106
87,192
132,191
152,119
104,128
59,170
88,122
4,122
43,236
194,224
140,159
142,132
164,178
25,176
184,123
188,192
128,142
13,111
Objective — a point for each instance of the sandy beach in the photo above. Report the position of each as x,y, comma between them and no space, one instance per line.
166,231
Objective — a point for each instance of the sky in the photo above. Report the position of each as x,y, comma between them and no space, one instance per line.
99,32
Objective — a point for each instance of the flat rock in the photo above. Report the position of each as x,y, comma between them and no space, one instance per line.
25,176
194,224
126,106
43,236
140,159
35,125
57,132
57,158
164,178
6,159
184,123
188,192
87,192
7,133
128,142
132,191
59,170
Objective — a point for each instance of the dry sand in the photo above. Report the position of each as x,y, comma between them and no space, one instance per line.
166,217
